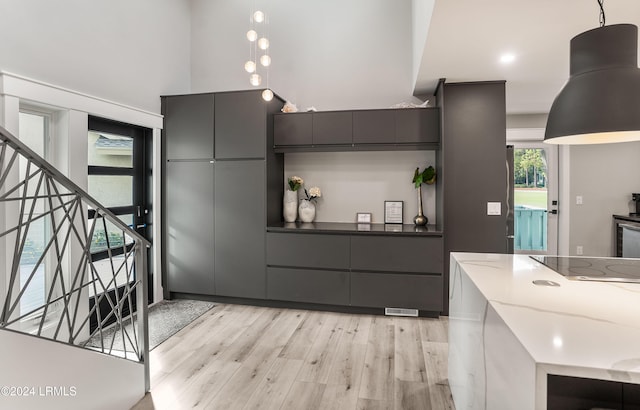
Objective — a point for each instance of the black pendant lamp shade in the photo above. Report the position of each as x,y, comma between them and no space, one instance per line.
601,101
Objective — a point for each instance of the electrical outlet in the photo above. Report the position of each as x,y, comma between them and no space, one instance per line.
579,250
579,200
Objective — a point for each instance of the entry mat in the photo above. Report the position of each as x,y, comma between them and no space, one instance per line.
166,318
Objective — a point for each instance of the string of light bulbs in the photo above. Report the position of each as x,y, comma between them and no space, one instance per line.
259,43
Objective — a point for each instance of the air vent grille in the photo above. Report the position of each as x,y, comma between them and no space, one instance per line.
401,312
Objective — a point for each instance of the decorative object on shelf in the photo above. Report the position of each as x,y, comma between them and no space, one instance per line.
428,176
599,103
410,105
393,212
290,200
363,218
307,208
259,40
289,107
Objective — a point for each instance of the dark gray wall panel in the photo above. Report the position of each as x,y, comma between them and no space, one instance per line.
293,129
332,128
306,285
418,125
240,125
308,250
240,228
399,254
374,127
396,290
189,218
188,126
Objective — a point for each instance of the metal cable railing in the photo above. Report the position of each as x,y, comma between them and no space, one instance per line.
50,273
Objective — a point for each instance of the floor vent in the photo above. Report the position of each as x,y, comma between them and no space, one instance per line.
401,312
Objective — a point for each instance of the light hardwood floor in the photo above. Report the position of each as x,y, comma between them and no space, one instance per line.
246,357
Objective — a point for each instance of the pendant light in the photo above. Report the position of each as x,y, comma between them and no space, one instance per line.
601,101
257,36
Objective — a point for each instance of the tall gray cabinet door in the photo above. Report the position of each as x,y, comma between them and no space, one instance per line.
189,231
240,125
188,126
240,229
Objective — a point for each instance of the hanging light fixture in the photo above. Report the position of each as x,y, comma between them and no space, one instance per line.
601,101
261,42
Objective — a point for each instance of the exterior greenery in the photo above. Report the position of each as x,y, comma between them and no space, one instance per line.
530,168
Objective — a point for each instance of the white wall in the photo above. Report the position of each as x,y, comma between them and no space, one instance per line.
329,54
421,12
121,50
84,379
605,175
361,181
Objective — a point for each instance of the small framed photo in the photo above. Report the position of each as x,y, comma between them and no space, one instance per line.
363,218
393,212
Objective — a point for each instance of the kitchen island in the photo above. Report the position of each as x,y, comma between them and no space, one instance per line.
560,343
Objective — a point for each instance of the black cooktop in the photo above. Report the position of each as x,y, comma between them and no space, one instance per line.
594,269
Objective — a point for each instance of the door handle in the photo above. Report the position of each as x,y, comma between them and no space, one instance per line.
553,211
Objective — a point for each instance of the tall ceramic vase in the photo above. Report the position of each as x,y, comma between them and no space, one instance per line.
420,219
290,206
307,211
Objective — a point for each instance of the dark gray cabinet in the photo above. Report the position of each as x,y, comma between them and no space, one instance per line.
374,126
397,290
361,130
417,125
332,128
569,393
293,129
215,209
240,229
188,126
372,271
308,285
240,125
190,225
396,254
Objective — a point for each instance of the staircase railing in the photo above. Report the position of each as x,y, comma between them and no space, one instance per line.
48,285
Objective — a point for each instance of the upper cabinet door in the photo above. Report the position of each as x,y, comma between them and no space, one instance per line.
240,125
332,128
419,125
292,129
188,126
374,127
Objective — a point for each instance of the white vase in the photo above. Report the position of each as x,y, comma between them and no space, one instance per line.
290,206
307,211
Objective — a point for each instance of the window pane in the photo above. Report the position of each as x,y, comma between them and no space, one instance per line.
113,233
110,150
105,278
111,190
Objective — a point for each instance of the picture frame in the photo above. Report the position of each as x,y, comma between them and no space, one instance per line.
363,217
393,211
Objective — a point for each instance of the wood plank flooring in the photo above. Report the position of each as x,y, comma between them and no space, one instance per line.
246,357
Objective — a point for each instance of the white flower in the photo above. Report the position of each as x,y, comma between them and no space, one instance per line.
315,192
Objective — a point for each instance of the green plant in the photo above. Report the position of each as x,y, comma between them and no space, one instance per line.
428,176
295,183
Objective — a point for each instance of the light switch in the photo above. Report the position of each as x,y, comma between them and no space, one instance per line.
494,208
578,199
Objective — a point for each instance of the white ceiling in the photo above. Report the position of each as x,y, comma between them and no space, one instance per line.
467,37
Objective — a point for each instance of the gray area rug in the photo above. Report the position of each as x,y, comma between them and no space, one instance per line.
166,318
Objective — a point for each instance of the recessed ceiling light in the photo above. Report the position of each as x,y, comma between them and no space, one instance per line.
507,58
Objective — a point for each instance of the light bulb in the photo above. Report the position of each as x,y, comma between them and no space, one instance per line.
267,95
258,16
255,79
263,43
250,66
252,35
265,60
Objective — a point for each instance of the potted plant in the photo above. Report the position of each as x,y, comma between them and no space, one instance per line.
428,176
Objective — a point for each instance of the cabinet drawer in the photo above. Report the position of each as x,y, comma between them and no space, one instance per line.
397,254
308,250
396,290
307,285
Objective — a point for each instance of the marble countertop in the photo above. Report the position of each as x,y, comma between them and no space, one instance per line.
583,329
355,228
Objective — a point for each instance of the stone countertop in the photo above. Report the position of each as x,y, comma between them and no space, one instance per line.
356,229
630,218
580,328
